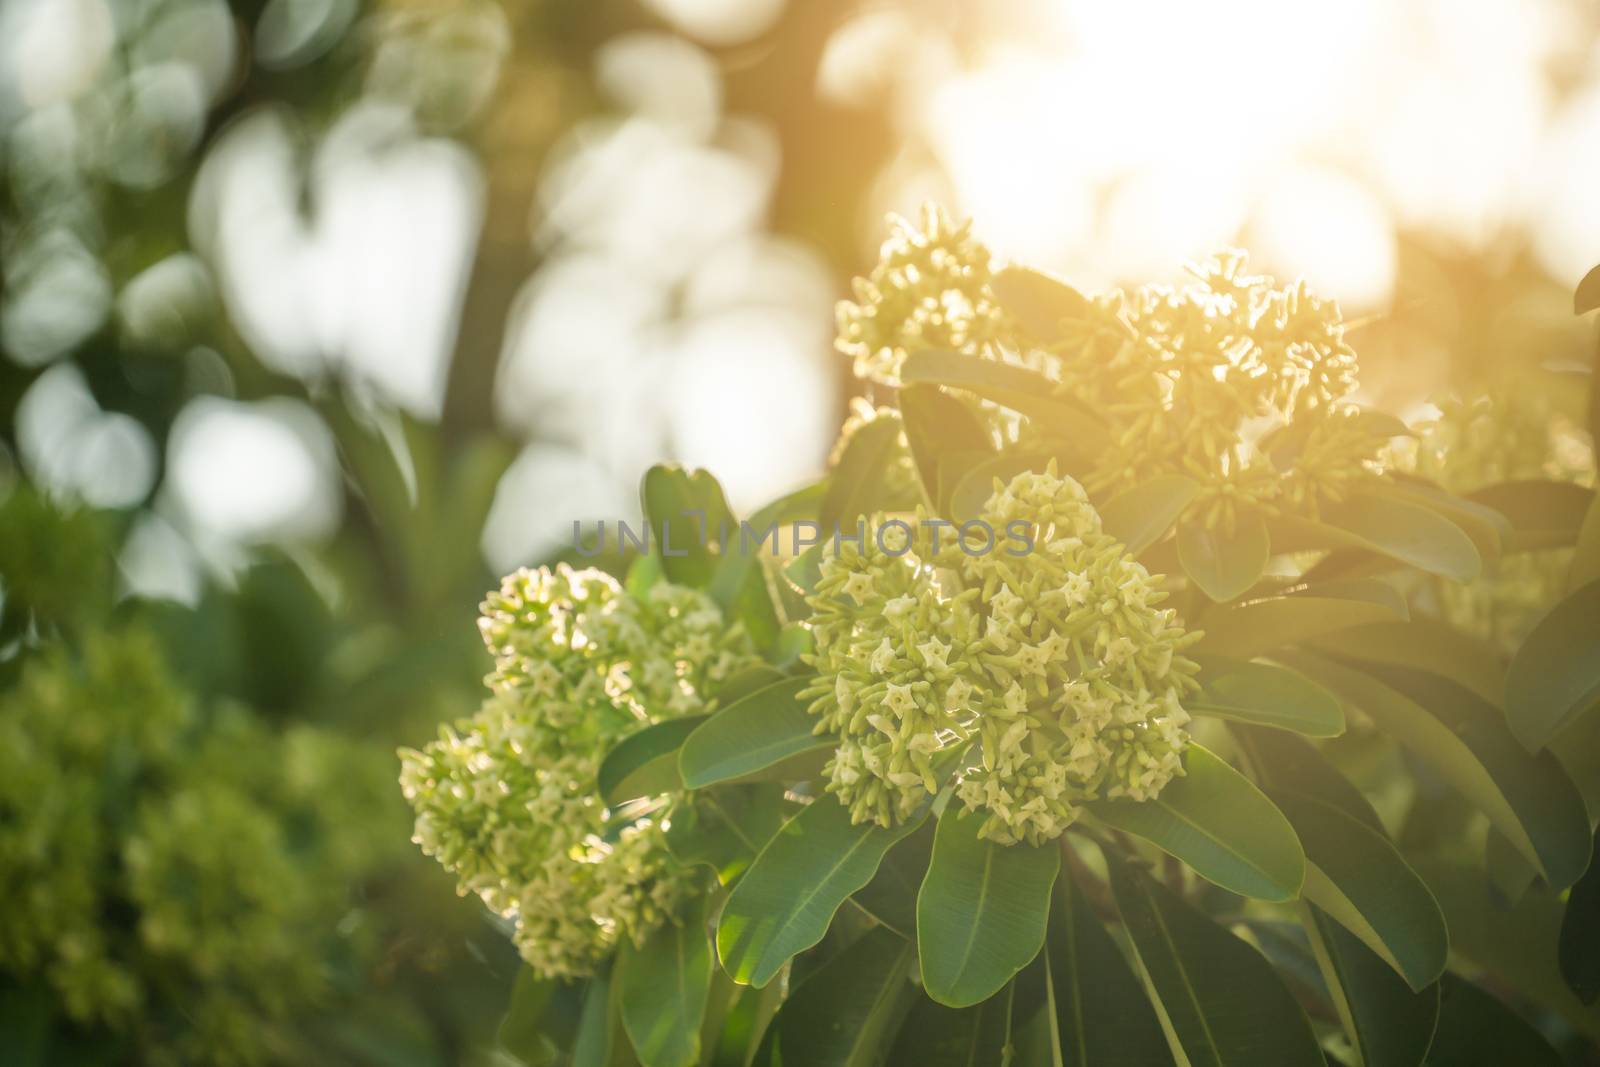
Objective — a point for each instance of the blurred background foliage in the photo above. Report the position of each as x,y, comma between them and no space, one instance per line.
317,314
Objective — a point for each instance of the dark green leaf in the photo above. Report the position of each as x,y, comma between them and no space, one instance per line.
1426,645
645,763
687,515
1476,1030
727,831
522,1031
856,487
936,1036
752,734
786,900
1225,564
1266,695
805,570
1218,823
947,440
981,912
1218,999
1101,1012
1487,527
844,1014
1579,952
1283,761
1388,1023
740,585
1586,557
976,486
891,896
1038,301
1587,296
1141,516
1356,875
1407,532
1528,798
1017,388
599,1040
1555,677
662,988
1543,514
1259,627
1508,872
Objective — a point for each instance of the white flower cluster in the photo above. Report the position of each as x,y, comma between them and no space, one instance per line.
1057,662
506,800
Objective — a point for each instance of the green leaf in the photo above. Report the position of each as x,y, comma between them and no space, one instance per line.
1509,874
1266,695
1543,514
1219,1001
687,514
1407,532
844,1014
645,763
522,1031
1017,388
1038,301
1225,565
1475,1028
1586,557
1517,945
786,900
1101,1012
947,440
1528,798
976,486
936,1036
1487,527
1579,950
740,586
663,986
1141,516
856,487
1259,627
981,912
598,1040
1388,1023
1218,823
1355,874
805,570
1555,676
757,732
891,896
1283,761
1587,296
1426,645
727,830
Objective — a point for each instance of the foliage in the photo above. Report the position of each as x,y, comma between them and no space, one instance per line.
158,849
1186,780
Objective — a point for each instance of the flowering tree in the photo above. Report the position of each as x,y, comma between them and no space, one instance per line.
1105,716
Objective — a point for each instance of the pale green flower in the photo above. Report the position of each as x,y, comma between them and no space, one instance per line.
506,800
930,289
1513,431
1057,662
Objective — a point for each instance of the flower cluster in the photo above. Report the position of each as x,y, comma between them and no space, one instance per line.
1188,377
506,800
1233,381
1056,662
154,859
1505,434
930,289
